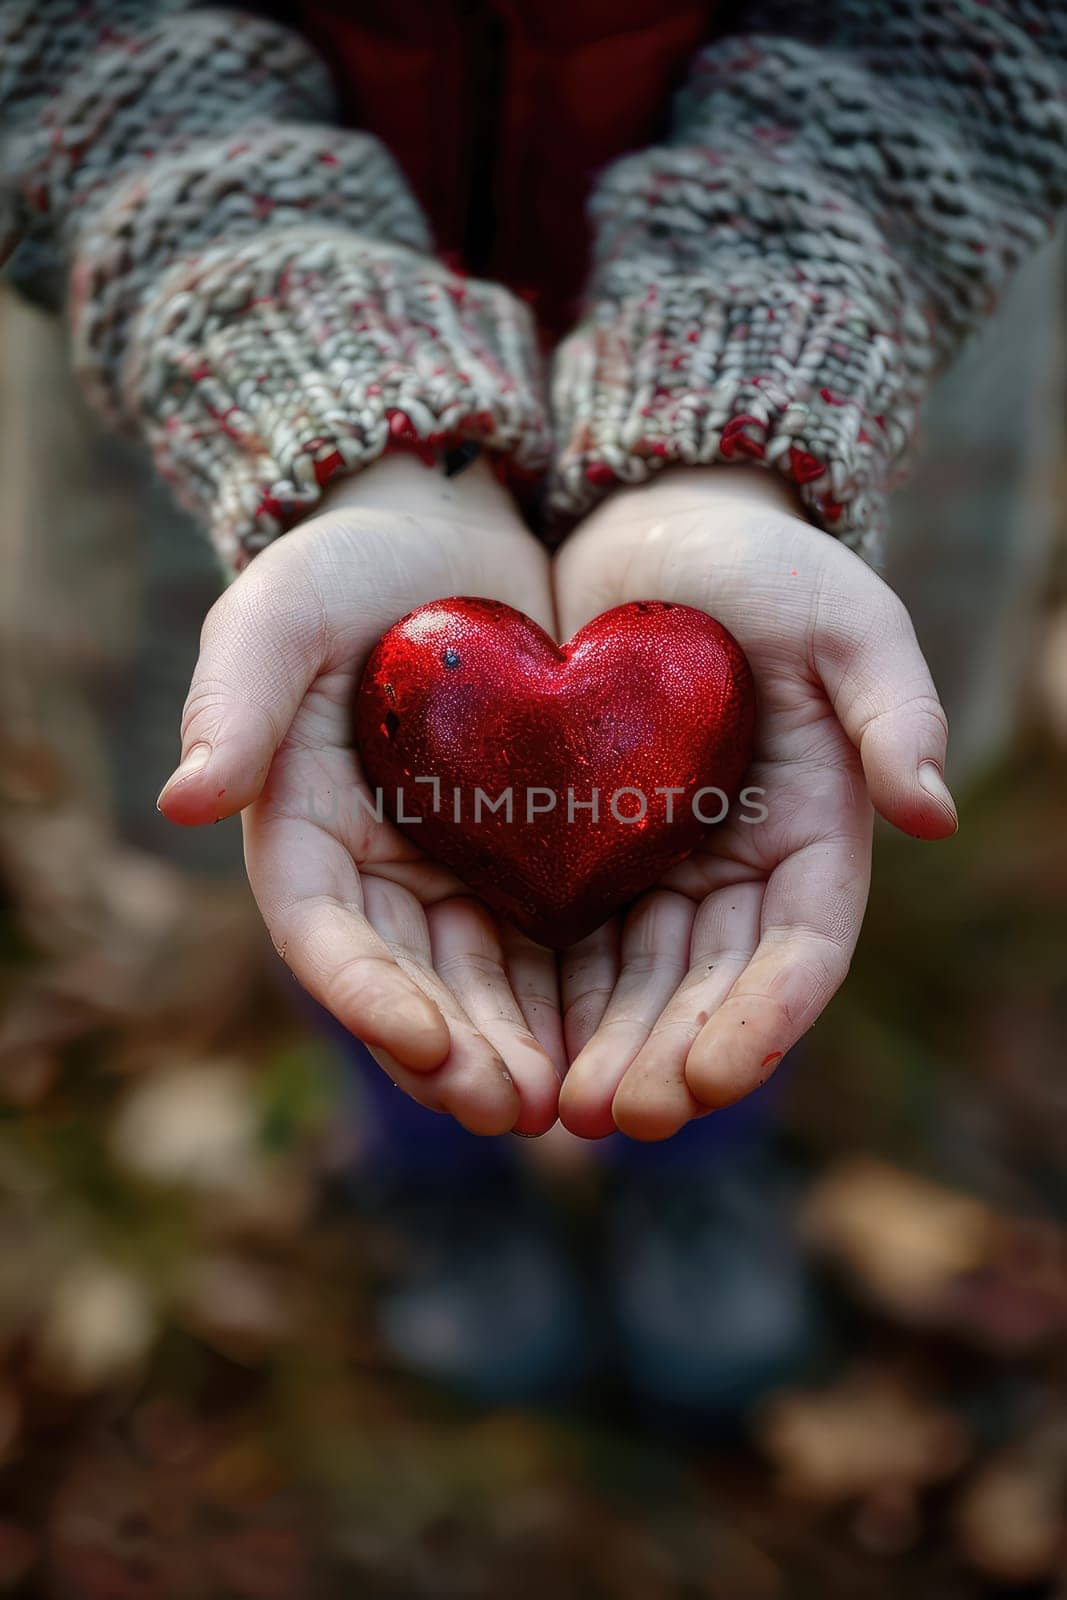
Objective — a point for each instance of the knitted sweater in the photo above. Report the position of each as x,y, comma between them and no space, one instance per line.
251,288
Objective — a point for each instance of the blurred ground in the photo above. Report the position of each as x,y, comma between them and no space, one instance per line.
192,1403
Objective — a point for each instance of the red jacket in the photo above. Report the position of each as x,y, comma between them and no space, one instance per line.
501,112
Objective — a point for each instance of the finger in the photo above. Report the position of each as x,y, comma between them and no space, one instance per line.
469,957
654,1100
812,912
435,1092
261,646
310,896
534,978
587,978
876,676
654,958
473,1084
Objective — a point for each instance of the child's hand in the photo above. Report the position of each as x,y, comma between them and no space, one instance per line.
463,1014
717,973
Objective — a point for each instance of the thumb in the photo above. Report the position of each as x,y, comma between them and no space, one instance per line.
261,646
880,686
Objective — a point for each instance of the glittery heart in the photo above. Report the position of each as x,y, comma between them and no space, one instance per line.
557,781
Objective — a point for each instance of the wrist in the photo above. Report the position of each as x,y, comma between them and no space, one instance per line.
730,485
732,493
402,482
677,487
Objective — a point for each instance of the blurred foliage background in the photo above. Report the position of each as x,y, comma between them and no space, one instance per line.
192,1399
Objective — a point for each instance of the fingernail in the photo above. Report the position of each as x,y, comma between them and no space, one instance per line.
930,779
198,757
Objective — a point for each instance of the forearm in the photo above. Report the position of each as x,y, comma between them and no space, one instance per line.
844,193
251,289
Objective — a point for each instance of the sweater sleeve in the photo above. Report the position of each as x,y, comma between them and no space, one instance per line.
249,287
844,192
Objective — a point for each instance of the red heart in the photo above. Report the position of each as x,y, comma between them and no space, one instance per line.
648,697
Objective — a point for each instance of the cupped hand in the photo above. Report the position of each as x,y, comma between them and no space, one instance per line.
461,1011
691,1001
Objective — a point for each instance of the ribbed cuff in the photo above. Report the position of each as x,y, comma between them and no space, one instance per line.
260,371
699,371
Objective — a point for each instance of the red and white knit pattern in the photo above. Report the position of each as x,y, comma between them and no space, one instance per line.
847,187
845,190
265,181
119,90
249,288
259,372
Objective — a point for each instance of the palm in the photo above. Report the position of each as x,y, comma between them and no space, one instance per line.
312,839
712,976
462,1012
